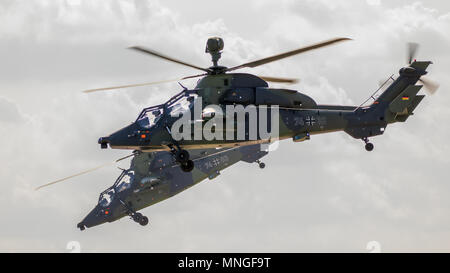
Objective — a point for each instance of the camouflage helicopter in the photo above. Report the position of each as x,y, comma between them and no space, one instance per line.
155,176
162,166
299,115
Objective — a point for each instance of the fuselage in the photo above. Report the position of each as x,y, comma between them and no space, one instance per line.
252,101
154,177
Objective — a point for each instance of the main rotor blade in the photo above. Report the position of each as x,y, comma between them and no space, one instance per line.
430,85
141,84
83,172
159,55
276,79
288,54
412,50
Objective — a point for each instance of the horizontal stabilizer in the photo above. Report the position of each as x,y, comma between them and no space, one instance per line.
420,65
404,99
417,99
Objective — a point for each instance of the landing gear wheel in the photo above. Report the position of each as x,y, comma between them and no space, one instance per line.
182,156
137,217
369,146
261,165
81,226
188,166
143,221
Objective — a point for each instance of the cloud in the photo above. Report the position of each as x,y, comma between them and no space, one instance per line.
373,2
331,194
9,112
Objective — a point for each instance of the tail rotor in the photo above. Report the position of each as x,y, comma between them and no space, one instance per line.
430,86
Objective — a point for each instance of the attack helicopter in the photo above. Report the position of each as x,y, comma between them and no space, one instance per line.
299,117
162,166
156,176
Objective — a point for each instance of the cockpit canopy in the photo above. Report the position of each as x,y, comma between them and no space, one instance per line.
106,197
177,105
180,104
122,183
150,116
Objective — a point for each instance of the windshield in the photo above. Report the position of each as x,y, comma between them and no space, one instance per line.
106,198
124,181
177,105
150,116
181,104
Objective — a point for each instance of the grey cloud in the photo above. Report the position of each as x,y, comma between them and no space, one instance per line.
9,112
326,194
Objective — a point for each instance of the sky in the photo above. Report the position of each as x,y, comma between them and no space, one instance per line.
323,195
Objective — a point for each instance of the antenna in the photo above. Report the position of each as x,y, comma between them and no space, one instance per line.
182,86
376,91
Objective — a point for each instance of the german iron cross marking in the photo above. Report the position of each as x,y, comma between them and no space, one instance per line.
310,120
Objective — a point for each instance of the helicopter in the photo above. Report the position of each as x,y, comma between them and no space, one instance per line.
155,176
162,166
299,116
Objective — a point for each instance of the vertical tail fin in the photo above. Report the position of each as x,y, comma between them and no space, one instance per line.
400,99
395,104
408,76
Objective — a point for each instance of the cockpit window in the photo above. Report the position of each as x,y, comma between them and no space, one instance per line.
177,105
106,198
181,104
150,116
124,181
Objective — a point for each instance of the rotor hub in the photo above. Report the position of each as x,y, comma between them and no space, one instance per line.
218,69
